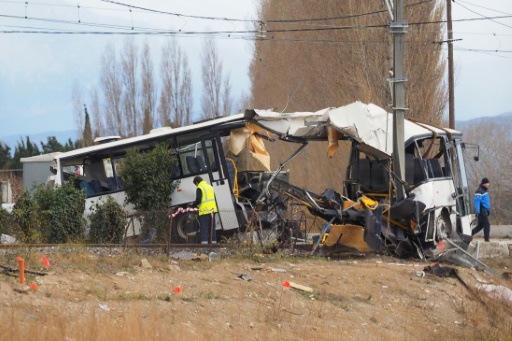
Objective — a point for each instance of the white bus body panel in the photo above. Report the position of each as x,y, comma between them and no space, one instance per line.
435,193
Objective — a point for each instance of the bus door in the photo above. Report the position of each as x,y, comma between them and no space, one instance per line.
461,194
218,178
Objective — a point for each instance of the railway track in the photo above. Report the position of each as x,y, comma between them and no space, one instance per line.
138,248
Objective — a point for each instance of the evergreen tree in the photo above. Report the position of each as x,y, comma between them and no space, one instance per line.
24,149
70,145
87,135
52,145
5,156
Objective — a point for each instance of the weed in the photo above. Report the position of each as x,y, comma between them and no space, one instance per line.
209,295
166,298
142,297
314,296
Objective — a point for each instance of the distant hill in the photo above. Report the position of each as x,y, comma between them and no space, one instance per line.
502,119
61,136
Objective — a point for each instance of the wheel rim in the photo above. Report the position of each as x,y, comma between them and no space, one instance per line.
187,226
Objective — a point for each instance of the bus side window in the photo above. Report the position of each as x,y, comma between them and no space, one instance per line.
201,163
192,164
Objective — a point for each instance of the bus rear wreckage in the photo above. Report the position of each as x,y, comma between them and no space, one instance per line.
433,220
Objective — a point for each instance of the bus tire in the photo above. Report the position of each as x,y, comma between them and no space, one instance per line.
185,229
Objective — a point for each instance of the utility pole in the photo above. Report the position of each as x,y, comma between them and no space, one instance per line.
398,29
451,96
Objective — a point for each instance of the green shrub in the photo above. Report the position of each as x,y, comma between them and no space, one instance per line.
27,219
148,184
147,178
51,215
107,222
8,224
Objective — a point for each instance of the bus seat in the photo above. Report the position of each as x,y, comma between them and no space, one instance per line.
96,186
86,185
419,170
409,168
435,168
379,177
192,164
201,163
363,173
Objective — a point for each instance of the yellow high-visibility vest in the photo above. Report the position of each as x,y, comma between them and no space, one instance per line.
208,202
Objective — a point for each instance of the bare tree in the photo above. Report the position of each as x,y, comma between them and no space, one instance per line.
216,100
112,90
129,62
78,104
227,104
495,161
147,91
346,60
176,96
164,108
184,117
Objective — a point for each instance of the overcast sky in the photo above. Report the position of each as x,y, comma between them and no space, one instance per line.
38,70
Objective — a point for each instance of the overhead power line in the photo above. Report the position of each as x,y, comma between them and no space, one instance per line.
350,16
150,31
480,6
214,18
484,16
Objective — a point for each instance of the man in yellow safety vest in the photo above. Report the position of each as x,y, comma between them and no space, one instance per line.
205,202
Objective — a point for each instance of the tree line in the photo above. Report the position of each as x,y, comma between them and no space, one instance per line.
130,100
26,148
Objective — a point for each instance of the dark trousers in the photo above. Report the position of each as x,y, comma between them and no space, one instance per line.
483,223
207,226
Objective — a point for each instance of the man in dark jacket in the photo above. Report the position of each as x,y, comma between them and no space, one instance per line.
482,204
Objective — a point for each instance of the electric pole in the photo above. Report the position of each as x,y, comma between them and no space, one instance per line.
451,97
398,29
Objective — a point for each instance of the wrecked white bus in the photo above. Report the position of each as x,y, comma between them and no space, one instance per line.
199,151
434,217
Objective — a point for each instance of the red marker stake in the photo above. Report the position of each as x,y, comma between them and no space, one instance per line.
21,263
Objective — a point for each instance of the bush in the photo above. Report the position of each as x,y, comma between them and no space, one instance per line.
8,224
107,222
27,219
51,215
148,184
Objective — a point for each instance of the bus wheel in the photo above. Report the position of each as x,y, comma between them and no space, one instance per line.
185,228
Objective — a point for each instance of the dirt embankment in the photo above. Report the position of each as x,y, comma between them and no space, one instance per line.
87,296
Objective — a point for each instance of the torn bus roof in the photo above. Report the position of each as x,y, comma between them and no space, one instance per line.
367,124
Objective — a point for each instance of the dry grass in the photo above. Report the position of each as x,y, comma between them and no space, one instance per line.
91,297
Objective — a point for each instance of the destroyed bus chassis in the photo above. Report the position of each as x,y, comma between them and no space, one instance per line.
431,222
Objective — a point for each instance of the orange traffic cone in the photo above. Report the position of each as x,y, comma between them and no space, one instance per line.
33,286
45,260
286,284
177,290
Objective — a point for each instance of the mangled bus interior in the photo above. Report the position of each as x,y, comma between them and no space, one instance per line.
365,214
